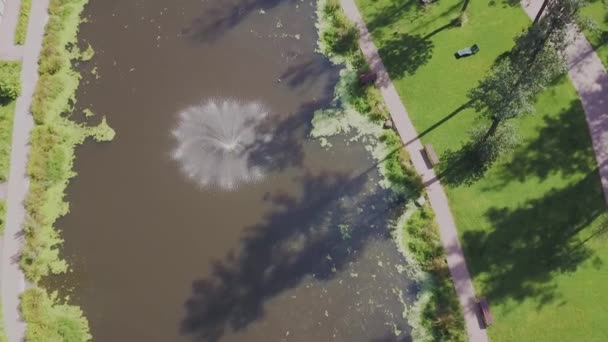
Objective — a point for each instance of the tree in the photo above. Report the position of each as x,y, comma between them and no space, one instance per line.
512,85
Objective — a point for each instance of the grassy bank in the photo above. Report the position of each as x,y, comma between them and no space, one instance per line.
597,10
529,227
10,89
441,317
53,140
24,18
48,319
7,112
359,112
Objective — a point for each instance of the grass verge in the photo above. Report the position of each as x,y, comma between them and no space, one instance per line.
437,315
2,331
597,10
24,18
7,112
531,227
53,140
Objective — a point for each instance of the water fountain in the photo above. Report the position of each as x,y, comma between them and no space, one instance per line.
215,141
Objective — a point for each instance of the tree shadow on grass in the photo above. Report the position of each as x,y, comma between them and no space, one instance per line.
529,245
562,146
404,53
293,242
393,12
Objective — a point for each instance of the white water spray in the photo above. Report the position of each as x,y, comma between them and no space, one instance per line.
215,141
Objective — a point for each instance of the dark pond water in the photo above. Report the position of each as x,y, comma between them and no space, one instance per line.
303,255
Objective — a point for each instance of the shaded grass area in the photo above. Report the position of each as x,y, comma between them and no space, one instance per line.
442,316
53,140
597,10
531,226
24,18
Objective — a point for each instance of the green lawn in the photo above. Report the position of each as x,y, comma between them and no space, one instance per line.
598,11
7,111
527,227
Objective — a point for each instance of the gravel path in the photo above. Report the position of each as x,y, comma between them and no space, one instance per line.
436,195
12,280
590,79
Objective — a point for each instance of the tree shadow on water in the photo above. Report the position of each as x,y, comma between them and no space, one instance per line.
529,245
292,243
404,53
221,16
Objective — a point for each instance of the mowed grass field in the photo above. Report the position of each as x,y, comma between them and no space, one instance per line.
532,227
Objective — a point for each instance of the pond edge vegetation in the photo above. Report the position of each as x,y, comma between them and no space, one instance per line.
359,109
53,141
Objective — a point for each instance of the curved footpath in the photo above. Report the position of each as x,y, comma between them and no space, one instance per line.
12,280
436,195
589,77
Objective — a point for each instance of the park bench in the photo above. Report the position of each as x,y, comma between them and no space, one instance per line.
431,155
485,312
467,51
367,78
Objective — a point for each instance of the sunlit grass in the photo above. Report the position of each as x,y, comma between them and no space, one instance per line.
527,227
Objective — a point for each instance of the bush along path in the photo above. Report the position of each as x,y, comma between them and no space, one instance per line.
437,197
13,281
590,79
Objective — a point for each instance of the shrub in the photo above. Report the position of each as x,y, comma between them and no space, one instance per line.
398,169
48,319
10,80
442,316
24,15
341,36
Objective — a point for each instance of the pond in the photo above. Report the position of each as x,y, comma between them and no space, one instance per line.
301,252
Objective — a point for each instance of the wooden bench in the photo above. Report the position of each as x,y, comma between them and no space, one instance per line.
431,155
485,312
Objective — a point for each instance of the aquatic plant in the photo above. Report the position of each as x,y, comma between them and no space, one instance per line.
216,141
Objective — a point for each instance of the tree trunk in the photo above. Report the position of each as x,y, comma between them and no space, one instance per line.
540,11
492,130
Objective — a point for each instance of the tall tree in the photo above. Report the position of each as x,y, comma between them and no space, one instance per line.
512,85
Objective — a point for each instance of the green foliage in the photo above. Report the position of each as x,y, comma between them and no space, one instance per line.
7,112
87,54
442,315
504,140
10,80
341,35
399,170
24,15
2,330
49,319
2,217
53,141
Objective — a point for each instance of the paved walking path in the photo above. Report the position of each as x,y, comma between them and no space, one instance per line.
12,280
437,197
8,25
589,77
